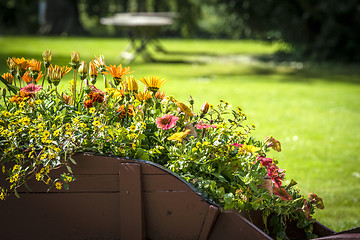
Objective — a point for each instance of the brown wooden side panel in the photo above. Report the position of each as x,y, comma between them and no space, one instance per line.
88,163
95,164
83,183
230,226
209,222
167,183
132,222
59,216
174,215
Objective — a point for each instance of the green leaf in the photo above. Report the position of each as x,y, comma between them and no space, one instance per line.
69,169
72,160
220,177
16,193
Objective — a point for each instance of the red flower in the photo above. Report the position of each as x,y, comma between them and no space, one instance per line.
264,161
96,95
122,113
166,122
276,174
306,209
31,88
88,103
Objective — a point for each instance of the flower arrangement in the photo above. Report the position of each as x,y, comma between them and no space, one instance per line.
211,148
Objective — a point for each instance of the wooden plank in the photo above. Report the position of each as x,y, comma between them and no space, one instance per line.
231,225
174,215
95,164
210,219
161,183
59,216
152,169
132,225
83,183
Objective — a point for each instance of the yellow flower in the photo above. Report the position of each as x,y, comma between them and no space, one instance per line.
132,128
3,169
58,185
114,92
2,196
250,148
96,123
185,109
130,84
92,110
38,176
21,105
153,83
56,133
46,134
179,136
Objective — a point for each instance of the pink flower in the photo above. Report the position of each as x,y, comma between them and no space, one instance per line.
204,125
237,145
31,88
166,122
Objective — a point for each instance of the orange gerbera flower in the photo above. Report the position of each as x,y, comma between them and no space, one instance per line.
118,72
27,78
56,73
22,63
143,96
35,65
153,83
160,95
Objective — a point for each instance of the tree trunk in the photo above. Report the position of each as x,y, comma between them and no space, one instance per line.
62,17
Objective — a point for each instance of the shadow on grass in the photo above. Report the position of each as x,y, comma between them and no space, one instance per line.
262,65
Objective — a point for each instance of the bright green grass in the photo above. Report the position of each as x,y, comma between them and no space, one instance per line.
314,111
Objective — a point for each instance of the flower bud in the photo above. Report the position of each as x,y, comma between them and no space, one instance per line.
191,101
83,70
8,77
47,58
75,57
204,108
11,64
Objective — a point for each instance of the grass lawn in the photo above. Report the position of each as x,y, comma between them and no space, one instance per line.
313,109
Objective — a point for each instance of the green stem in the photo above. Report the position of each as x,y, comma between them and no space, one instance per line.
74,87
44,77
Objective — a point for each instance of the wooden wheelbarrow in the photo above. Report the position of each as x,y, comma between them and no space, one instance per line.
115,198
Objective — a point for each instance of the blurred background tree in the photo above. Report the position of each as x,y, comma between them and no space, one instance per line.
317,30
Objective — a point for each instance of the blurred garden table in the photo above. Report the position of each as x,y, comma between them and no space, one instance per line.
144,28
